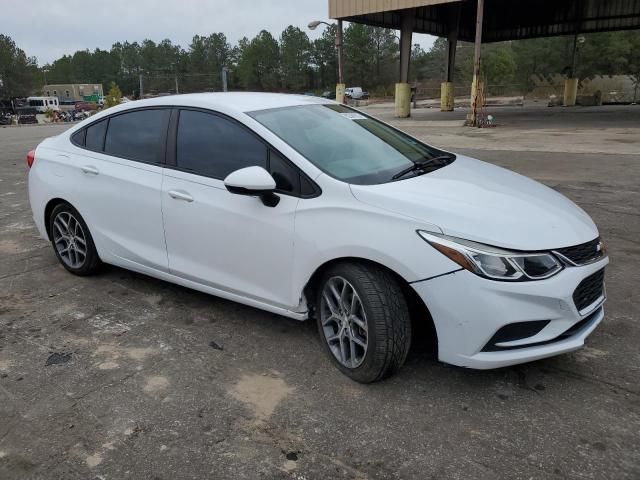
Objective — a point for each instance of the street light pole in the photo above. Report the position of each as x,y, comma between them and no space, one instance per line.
175,76
340,87
225,85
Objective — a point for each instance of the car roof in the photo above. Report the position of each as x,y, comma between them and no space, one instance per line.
239,102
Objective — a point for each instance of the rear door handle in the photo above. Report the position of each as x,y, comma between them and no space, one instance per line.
90,170
179,195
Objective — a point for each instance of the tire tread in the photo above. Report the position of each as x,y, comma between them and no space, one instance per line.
388,315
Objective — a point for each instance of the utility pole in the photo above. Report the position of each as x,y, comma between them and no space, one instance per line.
340,88
475,87
175,76
141,91
225,85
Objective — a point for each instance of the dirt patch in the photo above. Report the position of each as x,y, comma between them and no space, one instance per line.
114,352
11,247
5,365
155,384
589,353
261,393
93,460
107,365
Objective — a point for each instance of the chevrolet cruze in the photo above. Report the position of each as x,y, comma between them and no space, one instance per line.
310,209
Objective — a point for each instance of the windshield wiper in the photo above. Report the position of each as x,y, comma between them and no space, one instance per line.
416,167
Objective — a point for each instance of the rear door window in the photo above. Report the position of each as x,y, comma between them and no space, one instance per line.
138,135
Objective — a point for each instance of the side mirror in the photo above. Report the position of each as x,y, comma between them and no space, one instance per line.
254,182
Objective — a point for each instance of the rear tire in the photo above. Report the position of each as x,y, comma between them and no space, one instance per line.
363,320
72,242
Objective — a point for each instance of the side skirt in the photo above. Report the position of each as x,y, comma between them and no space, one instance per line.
171,278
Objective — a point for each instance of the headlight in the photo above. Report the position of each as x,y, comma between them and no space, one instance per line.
492,262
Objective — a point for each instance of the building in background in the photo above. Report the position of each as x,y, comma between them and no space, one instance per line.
70,93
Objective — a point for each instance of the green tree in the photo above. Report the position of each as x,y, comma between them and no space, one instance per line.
207,56
259,63
360,55
18,72
498,64
114,96
386,53
295,56
324,58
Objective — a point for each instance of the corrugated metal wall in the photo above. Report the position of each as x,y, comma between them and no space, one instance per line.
503,19
349,8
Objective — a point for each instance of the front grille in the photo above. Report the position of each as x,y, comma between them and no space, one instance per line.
589,290
584,253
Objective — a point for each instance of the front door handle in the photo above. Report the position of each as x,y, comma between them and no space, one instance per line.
179,195
90,170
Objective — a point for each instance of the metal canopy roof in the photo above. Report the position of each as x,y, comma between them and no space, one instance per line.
503,19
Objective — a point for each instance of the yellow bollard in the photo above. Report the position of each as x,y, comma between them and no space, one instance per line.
570,92
340,88
447,99
403,100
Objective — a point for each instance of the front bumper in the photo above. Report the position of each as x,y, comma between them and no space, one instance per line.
468,311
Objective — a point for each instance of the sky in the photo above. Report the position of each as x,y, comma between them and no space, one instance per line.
48,29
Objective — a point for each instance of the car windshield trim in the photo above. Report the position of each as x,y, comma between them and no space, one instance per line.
372,155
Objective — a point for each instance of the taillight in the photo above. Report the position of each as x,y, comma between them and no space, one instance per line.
31,157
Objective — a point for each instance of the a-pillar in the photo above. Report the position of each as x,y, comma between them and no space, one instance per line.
447,97
403,89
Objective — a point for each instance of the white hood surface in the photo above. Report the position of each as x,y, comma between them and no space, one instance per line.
478,201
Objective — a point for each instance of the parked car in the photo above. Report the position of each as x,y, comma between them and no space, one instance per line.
330,94
85,106
241,196
356,93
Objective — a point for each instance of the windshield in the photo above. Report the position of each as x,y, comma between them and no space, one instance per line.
346,144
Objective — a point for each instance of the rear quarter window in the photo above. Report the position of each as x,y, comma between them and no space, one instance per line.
94,139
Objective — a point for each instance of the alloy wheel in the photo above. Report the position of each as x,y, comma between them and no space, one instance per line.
344,322
70,240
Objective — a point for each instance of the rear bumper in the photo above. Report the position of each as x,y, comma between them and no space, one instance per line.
468,311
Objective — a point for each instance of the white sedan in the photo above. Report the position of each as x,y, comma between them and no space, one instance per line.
310,209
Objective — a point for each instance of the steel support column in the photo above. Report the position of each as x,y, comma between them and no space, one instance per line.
403,89
571,83
447,98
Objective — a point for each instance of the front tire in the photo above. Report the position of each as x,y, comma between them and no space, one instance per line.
363,321
72,241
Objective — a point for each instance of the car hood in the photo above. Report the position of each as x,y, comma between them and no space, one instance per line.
482,202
